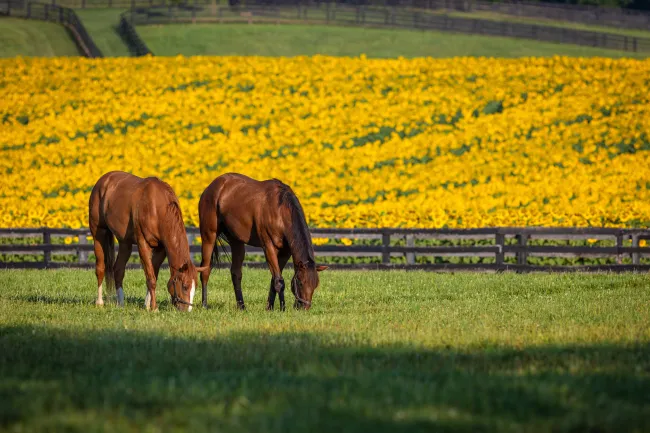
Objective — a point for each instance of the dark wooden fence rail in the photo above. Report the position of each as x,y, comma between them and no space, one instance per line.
362,15
507,242
585,14
131,38
58,14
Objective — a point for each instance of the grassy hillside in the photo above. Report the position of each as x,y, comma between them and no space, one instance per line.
101,24
291,40
19,37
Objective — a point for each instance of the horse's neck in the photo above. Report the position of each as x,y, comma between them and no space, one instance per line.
301,249
176,247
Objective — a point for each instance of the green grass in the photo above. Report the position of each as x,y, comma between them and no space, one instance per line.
20,37
494,16
101,25
292,40
379,351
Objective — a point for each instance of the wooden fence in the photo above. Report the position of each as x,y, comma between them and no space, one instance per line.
585,14
58,14
376,16
507,249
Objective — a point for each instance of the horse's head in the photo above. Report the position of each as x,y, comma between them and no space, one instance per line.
182,285
304,282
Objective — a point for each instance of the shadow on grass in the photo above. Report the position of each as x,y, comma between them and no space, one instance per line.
56,380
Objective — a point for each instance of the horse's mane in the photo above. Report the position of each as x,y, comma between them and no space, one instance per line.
174,214
300,241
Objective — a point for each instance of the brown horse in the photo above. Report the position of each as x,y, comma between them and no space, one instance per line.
264,214
144,212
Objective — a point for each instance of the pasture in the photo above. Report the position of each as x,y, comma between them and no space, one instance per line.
295,40
379,351
20,37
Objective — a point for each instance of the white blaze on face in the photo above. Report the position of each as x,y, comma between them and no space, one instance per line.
192,291
120,297
147,300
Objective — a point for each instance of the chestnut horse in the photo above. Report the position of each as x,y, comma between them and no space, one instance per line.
144,212
264,214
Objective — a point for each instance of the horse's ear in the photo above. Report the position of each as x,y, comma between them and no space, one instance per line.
321,268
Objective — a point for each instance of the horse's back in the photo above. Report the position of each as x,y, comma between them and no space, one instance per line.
241,206
119,197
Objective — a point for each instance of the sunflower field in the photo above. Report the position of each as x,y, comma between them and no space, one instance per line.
427,143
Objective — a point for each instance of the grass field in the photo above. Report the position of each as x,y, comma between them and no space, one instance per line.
378,352
553,23
20,37
292,40
101,24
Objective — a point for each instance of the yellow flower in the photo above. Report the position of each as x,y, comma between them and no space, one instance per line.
643,243
461,142
346,241
68,240
320,241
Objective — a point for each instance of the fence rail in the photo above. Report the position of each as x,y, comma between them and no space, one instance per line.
585,14
510,248
58,14
362,15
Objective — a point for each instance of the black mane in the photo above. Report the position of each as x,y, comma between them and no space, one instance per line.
300,239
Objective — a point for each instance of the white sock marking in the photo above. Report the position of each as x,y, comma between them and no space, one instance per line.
120,297
192,291
100,296
147,300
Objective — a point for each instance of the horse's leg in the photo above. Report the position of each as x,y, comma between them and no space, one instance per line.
282,259
238,251
123,255
157,259
277,282
99,264
208,240
147,266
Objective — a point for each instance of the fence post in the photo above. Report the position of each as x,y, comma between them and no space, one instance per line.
635,244
82,255
29,9
410,257
634,44
522,255
499,240
385,245
619,244
47,244
625,42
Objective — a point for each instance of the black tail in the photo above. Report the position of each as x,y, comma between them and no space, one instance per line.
215,252
108,245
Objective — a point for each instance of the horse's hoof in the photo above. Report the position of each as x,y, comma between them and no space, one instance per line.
99,302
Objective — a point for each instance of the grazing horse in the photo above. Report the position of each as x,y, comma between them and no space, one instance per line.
144,212
264,214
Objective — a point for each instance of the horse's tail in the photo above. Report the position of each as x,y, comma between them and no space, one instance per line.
108,245
215,259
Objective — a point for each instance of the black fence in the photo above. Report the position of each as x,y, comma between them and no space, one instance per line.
57,14
136,45
333,13
585,14
486,249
